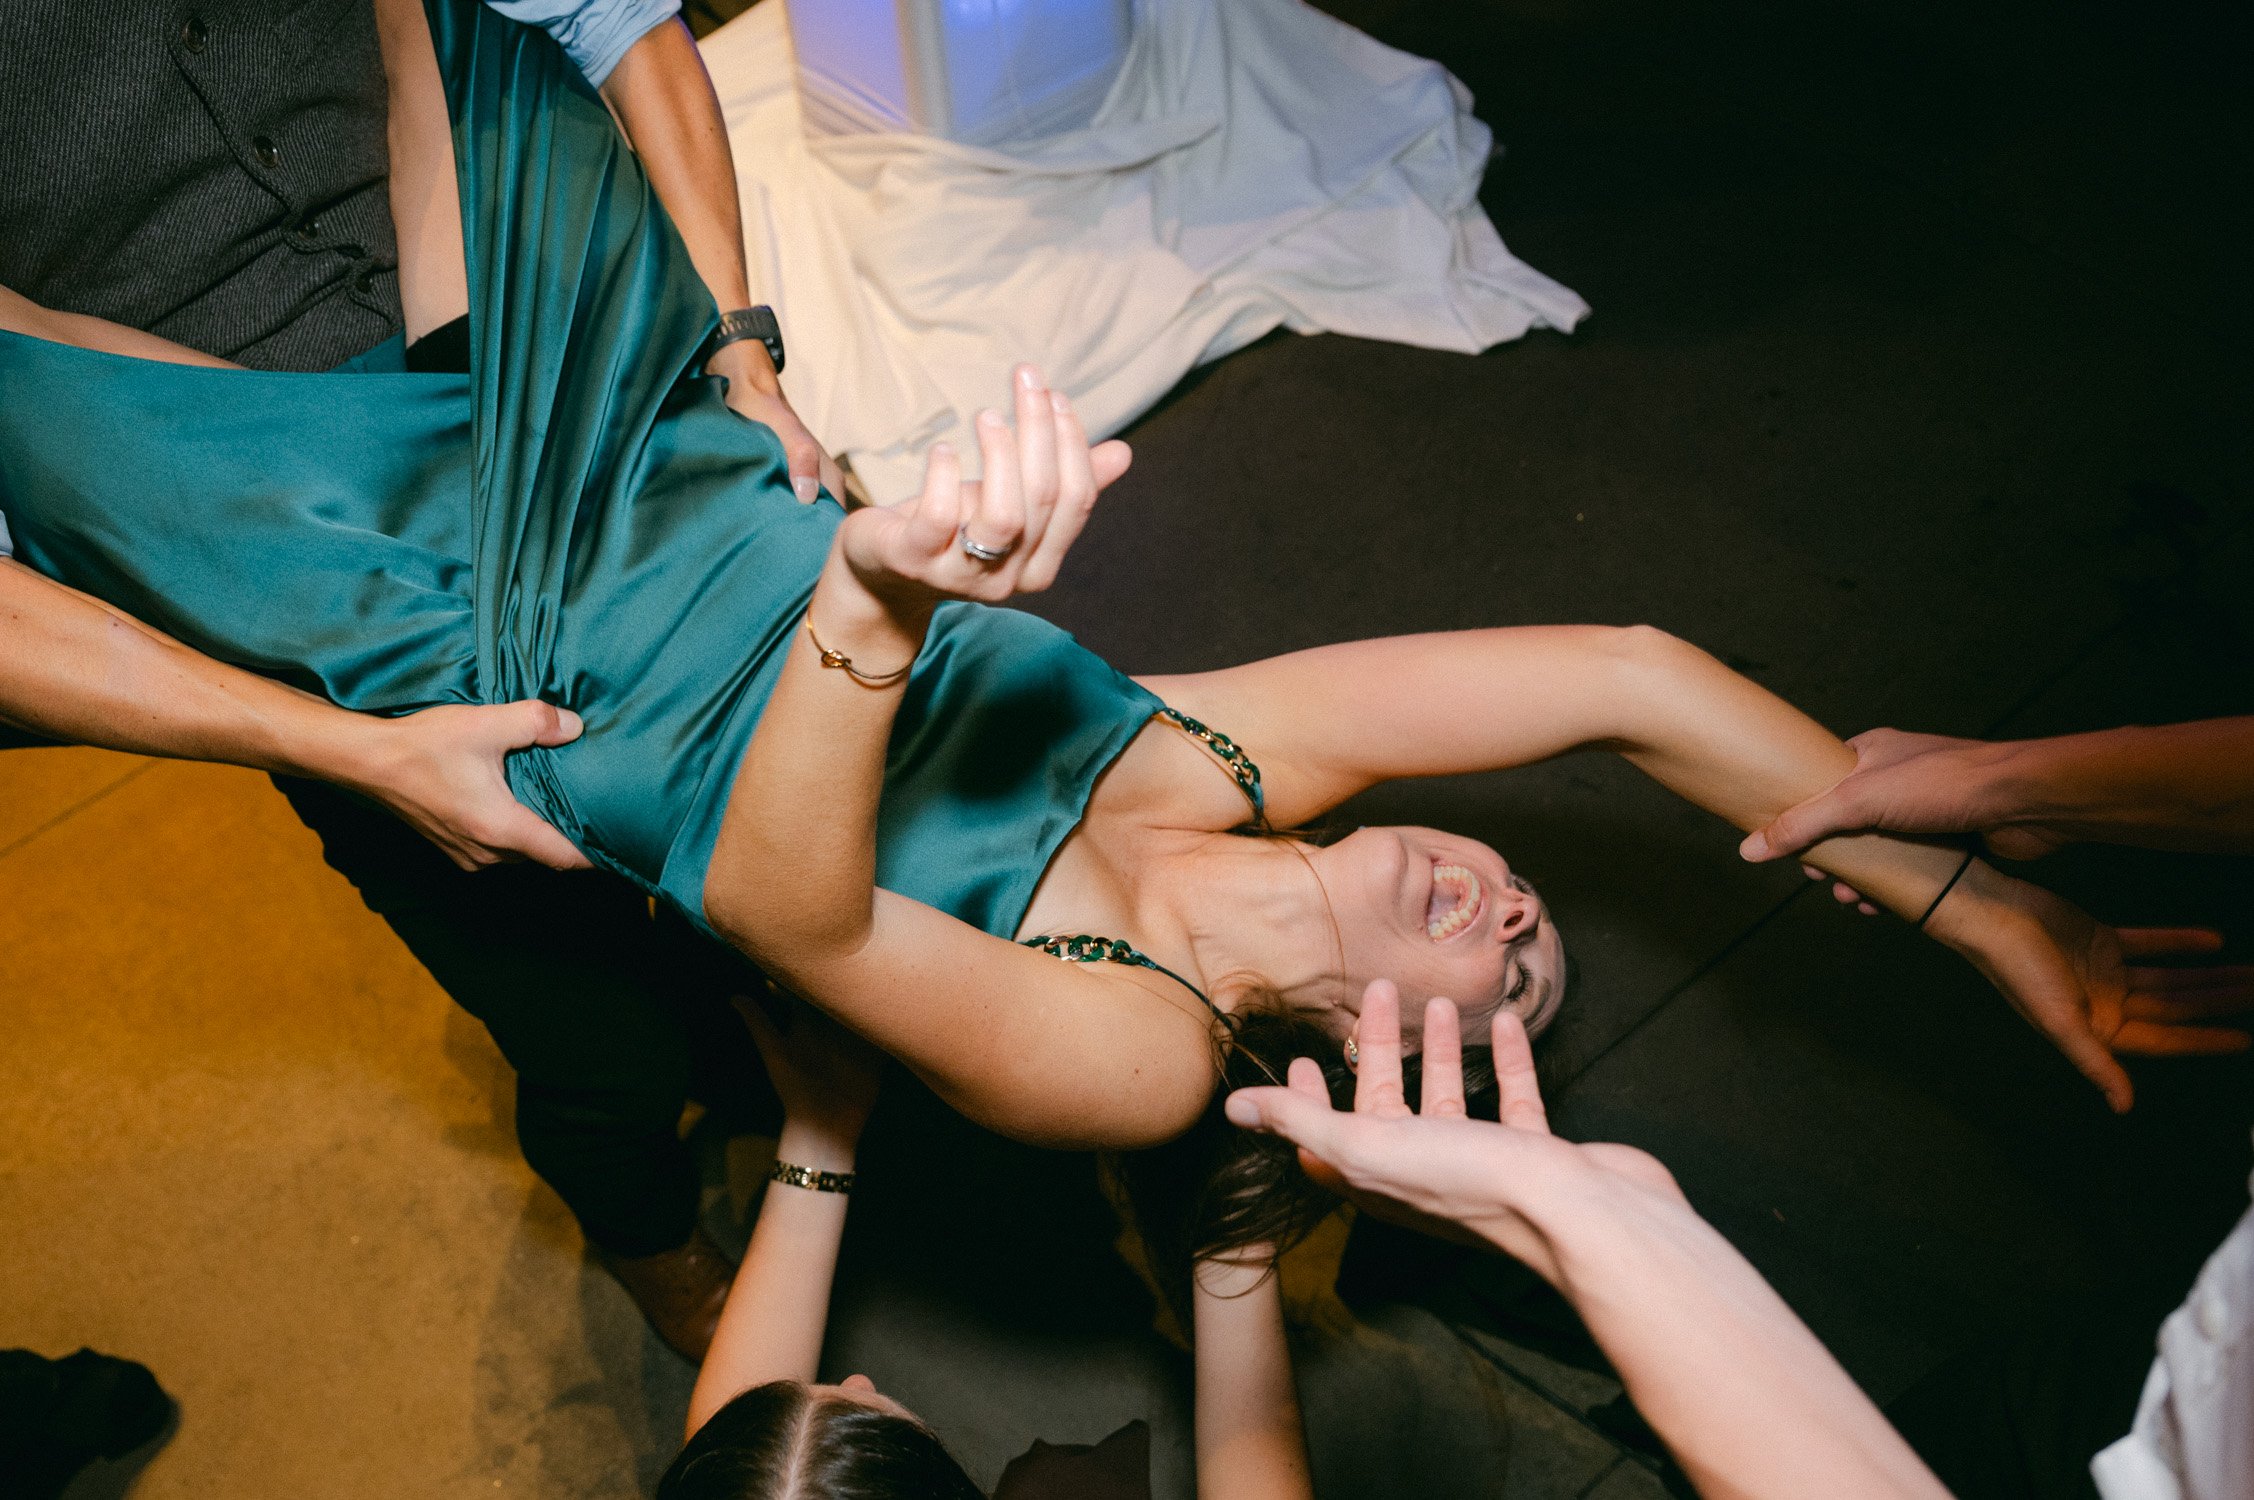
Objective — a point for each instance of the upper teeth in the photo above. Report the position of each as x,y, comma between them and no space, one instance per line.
1464,886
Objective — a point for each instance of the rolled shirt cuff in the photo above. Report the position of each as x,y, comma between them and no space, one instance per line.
595,33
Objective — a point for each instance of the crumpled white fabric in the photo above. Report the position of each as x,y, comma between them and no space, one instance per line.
2193,1438
1256,164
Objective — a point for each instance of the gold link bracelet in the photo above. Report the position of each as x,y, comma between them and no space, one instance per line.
792,1175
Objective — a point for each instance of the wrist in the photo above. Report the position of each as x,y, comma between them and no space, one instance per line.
746,362
822,1147
846,605
322,742
1967,915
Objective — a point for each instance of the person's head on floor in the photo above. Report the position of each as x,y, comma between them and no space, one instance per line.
1439,915
787,1440
1436,913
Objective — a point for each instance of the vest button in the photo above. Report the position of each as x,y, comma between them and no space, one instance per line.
307,231
192,33
269,155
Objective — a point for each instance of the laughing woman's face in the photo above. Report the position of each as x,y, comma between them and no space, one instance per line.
1442,915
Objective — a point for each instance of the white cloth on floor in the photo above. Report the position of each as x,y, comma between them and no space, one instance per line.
2193,1438
1257,164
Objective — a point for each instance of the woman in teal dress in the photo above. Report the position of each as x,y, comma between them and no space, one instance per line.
582,520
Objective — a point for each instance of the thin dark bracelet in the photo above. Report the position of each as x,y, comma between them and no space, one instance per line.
793,1175
1969,856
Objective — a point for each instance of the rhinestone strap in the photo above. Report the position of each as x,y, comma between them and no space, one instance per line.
1232,757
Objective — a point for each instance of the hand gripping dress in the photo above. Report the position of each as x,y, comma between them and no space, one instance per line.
580,519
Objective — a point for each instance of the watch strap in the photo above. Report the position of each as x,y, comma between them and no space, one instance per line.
748,323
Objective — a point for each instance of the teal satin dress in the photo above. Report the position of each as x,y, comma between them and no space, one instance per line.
580,519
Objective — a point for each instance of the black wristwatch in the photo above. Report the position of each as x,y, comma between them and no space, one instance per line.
748,323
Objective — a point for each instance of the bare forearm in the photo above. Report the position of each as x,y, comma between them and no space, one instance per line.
793,873
1745,1397
22,315
1739,751
778,1309
2172,786
77,670
664,102
1250,1444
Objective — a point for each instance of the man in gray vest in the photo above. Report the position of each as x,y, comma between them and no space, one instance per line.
218,173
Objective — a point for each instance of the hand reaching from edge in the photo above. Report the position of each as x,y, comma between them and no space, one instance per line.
2073,978
441,770
1908,783
826,1076
1440,1170
1036,489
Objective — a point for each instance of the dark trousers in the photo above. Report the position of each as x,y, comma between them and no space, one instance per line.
613,1016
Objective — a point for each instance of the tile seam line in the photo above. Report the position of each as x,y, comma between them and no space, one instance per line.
1592,1486
76,808
1621,1452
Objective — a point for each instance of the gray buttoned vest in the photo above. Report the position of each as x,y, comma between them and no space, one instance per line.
213,171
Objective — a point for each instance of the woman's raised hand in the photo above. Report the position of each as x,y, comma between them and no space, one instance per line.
1002,534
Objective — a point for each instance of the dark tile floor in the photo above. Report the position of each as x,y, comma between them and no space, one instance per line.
1915,390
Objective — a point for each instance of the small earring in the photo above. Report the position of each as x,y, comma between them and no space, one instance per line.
1353,1053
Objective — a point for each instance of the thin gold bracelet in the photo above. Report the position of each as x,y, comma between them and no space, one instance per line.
793,1175
844,663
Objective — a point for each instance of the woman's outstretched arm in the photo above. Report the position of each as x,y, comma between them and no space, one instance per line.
1328,723
1034,1048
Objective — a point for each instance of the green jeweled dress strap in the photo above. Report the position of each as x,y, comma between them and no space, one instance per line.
1232,757
1085,948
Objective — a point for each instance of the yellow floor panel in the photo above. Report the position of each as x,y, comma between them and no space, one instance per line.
245,1140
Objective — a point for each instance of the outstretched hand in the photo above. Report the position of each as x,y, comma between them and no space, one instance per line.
442,772
1438,1169
2076,981
1003,534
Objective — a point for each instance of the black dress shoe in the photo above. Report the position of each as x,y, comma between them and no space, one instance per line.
59,1415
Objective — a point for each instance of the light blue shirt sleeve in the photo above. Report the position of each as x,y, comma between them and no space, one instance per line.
596,33
7,542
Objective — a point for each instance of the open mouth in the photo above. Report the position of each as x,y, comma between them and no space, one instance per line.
1455,902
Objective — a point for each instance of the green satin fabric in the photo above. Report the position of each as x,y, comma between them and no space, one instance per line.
580,519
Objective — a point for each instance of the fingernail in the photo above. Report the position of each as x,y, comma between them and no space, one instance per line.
942,449
806,487
1240,1110
1755,847
572,724
1028,378
989,418
1058,404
